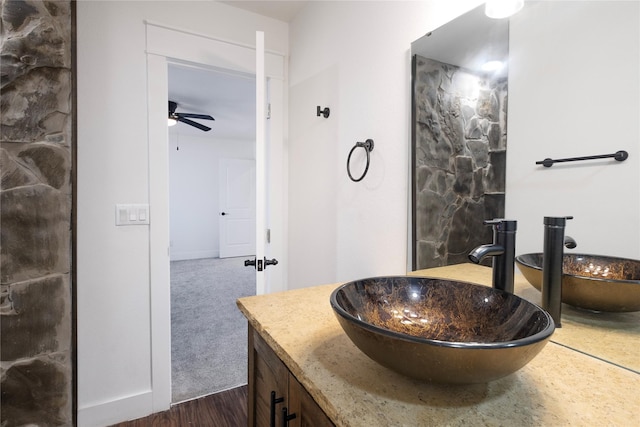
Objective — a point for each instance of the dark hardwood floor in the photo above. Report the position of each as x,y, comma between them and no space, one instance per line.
224,409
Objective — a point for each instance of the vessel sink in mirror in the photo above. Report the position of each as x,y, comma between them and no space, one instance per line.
441,331
599,283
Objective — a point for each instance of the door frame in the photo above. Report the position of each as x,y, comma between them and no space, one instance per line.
170,45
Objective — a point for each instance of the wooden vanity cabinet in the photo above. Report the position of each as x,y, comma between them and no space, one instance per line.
276,398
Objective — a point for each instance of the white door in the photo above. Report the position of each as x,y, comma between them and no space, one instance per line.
270,244
237,204
271,172
261,166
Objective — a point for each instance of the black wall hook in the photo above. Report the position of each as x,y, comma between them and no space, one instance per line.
325,112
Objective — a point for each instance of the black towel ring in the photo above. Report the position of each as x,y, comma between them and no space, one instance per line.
368,147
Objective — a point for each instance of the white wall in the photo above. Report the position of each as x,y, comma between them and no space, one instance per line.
113,289
574,90
354,58
194,191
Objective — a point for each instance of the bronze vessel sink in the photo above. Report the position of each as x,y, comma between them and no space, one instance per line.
592,282
441,331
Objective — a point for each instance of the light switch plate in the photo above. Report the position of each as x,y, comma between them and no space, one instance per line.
132,214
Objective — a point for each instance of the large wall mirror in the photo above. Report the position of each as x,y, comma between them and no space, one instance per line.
573,89
459,136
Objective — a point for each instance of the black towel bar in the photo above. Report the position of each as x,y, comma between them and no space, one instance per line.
619,156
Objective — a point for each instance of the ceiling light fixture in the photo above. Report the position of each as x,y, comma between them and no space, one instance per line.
171,122
499,9
492,66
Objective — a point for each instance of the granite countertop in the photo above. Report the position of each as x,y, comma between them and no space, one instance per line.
561,386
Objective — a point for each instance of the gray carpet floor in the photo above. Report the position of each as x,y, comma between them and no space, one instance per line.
208,332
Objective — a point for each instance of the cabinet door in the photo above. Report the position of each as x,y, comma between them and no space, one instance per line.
308,413
267,375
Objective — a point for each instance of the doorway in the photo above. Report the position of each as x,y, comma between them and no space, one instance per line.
208,333
164,46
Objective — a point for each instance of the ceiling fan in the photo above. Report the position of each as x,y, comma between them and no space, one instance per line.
184,117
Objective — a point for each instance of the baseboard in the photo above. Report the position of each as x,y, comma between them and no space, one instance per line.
181,256
115,411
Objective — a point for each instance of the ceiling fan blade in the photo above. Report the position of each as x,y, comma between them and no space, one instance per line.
194,124
195,116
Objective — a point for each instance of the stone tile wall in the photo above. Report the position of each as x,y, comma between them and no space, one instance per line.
36,347
459,155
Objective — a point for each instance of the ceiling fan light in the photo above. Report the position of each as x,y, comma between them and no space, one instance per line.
171,122
499,9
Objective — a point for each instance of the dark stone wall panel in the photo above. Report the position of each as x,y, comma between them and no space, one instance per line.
495,137
35,318
494,205
30,164
31,394
36,140
460,142
32,104
423,178
474,129
16,13
13,174
51,163
477,189
430,220
464,175
35,233
495,180
431,253
479,152
433,179
467,231
434,151
488,105
40,34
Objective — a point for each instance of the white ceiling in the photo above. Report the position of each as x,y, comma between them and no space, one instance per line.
281,10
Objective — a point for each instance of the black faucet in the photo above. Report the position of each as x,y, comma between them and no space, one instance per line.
553,253
503,251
